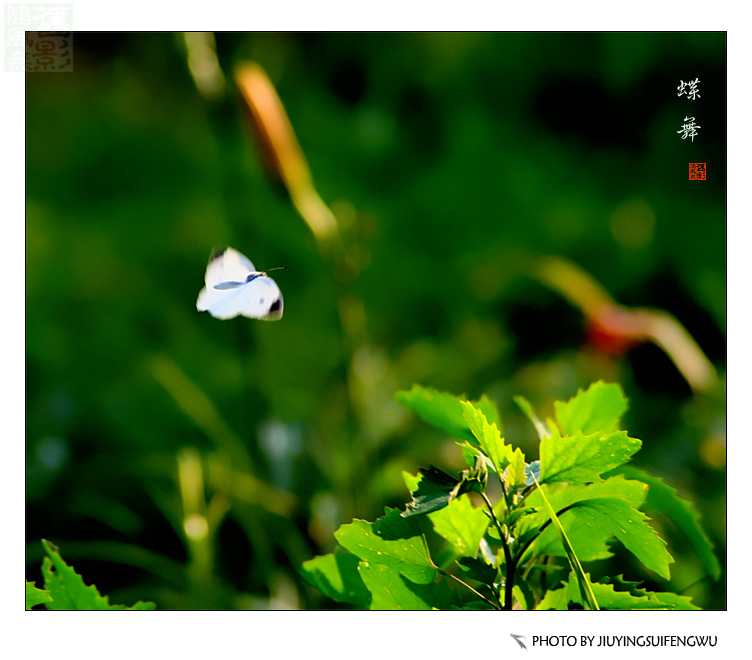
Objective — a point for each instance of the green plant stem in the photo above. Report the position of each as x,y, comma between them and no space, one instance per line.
503,490
509,562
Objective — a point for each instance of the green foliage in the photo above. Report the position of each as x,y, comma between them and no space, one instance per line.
380,565
36,596
631,598
66,590
444,410
446,552
663,499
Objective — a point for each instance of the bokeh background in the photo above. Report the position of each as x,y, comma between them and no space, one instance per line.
197,463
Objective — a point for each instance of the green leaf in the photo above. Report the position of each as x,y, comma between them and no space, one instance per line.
68,590
36,596
411,480
566,596
365,585
390,590
478,569
516,474
461,524
523,593
487,436
510,517
444,410
610,599
583,458
338,577
599,408
592,514
503,456
588,542
664,499
488,408
564,496
668,600
436,489
394,541
631,528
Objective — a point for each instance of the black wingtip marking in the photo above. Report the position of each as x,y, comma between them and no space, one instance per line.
217,252
276,306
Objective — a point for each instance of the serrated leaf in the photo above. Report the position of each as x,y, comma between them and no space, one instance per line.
478,569
461,524
516,475
488,408
444,410
583,458
659,599
503,456
436,489
599,408
617,500
36,596
337,577
630,527
392,540
664,499
68,590
487,436
562,497
139,605
610,599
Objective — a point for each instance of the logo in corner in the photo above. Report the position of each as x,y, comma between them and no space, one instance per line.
518,639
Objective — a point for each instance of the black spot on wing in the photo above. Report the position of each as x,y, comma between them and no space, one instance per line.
276,305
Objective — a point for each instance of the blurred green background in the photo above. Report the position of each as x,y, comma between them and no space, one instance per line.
451,161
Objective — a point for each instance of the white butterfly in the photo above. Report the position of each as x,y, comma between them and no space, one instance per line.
234,287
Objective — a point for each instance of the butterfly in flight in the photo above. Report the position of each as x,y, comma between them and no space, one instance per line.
235,288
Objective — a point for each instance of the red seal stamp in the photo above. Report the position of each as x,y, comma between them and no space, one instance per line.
697,171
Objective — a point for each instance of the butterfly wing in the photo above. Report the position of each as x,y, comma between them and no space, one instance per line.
258,299
261,299
227,265
229,270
